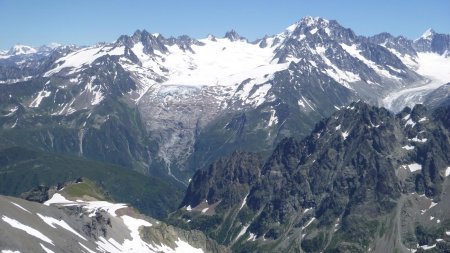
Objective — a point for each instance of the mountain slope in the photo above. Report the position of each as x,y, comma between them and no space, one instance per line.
184,96
90,225
22,170
351,178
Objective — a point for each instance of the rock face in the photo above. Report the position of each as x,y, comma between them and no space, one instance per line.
356,175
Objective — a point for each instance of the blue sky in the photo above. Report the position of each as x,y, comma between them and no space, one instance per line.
85,22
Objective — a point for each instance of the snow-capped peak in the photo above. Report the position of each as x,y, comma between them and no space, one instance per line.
428,34
313,21
54,45
233,36
211,37
19,49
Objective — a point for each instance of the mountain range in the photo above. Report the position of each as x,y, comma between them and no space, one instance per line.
268,131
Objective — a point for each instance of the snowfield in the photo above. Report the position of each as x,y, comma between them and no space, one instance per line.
434,67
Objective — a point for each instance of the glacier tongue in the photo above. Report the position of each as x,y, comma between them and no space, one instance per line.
436,68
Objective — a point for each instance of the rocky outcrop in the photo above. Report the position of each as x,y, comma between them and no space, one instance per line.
346,180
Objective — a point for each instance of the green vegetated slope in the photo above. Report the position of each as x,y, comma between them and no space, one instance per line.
22,169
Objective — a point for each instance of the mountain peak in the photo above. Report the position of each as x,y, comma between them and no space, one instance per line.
233,35
428,34
20,49
313,21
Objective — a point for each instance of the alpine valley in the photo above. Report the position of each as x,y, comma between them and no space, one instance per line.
314,139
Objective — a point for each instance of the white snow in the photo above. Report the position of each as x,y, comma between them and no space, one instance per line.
242,232
423,119
427,34
433,66
413,167
189,208
133,225
415,139
57,199
19,206
52,222
447,232
447,171
410,122
426,247
345,135
355,52
432,204
137,245
12,111
273,118
308,223
338,127
86,248
90,206
85,56
244,202
10,251
340,76
232,62
204,210
408,147
21,50
41,95
47,250
252,237
29,230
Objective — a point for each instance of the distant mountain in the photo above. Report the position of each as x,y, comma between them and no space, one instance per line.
195,100
363,180
21,49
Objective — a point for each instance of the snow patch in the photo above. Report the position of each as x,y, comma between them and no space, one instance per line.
345,135
29,230
308,223
244,202
52,222
242,232
19,206
273,118
408,147
47,250
252,237
41,95
415,139
90,206
412,167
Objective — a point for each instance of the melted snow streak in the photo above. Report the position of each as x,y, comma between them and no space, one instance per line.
52,222
47,250
19,206
29,230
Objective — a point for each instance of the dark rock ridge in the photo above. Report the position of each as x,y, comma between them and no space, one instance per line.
339,184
